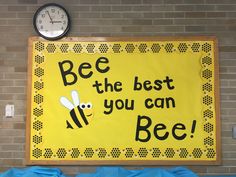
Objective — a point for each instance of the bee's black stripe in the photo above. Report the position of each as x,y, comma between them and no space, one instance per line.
75,118
82,115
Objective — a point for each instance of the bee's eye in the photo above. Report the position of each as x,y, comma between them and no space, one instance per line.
82,106
89,105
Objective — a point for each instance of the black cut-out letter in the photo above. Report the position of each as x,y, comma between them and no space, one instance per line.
67,73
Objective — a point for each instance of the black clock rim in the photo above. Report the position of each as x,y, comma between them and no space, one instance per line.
57,37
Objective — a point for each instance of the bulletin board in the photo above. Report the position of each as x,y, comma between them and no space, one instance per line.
147,101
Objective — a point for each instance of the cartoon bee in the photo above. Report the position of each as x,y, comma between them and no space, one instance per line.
79,112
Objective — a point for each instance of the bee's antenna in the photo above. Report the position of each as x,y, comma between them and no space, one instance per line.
75,97
65,102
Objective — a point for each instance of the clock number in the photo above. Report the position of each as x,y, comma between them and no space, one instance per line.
41,27
40,21
43,15
64,22
53,10
62,16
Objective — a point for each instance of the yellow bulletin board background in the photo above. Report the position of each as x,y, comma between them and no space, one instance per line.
123,101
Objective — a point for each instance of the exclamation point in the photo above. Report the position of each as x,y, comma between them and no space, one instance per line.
193,128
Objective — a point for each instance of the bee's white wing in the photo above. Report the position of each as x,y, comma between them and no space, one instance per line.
65,102
75,97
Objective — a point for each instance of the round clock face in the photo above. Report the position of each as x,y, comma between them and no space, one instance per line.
51,21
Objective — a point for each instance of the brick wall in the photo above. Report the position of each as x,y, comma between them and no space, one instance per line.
115,18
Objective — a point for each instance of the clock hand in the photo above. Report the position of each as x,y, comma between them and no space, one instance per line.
57,21
50,17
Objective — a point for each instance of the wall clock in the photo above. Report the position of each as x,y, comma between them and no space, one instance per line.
51,21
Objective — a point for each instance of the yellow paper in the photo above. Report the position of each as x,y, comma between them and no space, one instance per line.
148,100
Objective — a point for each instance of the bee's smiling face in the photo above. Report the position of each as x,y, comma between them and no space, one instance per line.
87,109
